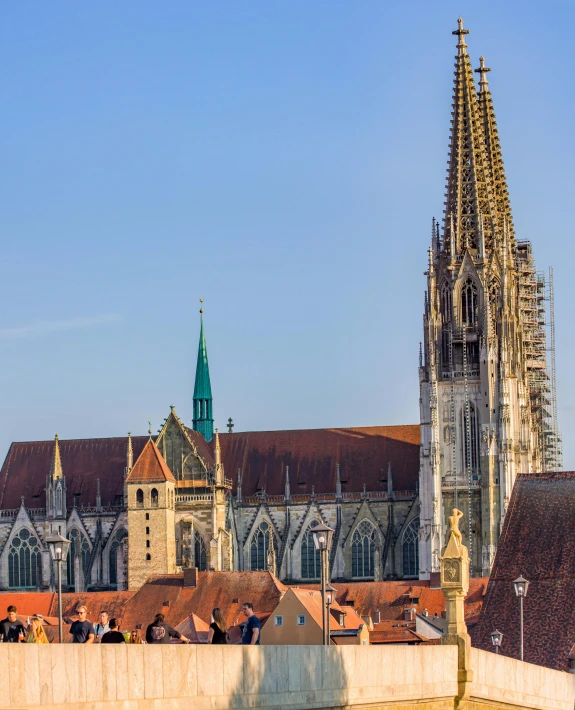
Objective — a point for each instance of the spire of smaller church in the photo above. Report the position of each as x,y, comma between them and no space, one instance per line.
56,465
203,416
129,454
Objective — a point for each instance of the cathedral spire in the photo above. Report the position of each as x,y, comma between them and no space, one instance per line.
493,150
203,416
469,189
56,465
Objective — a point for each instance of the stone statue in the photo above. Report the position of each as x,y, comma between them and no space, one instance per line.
454,525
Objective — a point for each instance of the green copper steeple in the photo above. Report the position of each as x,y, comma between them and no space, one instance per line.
203,417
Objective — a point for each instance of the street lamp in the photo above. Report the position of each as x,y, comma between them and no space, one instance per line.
496,637
521,586
58,547
322,535
329,600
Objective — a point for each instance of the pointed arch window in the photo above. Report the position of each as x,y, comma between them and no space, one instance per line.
410,550
470,455
363,550
446,303
259,547
310,557
140,498
154,495
200,556
469,302
115,546
79,547
24,560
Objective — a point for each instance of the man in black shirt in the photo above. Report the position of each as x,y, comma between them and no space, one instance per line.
12,630
113,635
160,632
82,630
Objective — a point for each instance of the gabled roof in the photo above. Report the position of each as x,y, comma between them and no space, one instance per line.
313,454
537,542
390,598
150,467
214,589
83,461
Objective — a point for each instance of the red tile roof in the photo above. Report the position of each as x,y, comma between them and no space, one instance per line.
313,454
27,603
214,589
390,632
391,598
84,461
150,467
537,542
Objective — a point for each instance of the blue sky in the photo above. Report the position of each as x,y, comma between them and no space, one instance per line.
282,161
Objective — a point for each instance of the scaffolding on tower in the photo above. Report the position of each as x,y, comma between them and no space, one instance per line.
532,308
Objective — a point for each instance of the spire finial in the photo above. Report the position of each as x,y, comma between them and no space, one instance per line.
56,465
482,71
150,430
460,32
201,308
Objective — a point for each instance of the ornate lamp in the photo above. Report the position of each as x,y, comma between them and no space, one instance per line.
496,637
322,536
58,547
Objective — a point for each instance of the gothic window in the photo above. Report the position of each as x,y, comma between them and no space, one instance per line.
411,550
200,556
469,302
24,561
113,555
154,497
446,302
140,498
472,430
310,557
363,550
79,547
260,545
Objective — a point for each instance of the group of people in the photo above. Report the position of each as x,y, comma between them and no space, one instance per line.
12,630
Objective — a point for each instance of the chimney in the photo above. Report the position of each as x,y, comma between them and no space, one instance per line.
377,617
425,612
408,614
190,577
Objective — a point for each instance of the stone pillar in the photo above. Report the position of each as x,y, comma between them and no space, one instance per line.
454,567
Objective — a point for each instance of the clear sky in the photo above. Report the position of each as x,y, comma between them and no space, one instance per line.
282,161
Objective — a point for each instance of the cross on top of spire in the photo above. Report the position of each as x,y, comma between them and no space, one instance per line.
460,32
482,71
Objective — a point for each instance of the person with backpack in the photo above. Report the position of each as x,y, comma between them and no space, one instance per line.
160,632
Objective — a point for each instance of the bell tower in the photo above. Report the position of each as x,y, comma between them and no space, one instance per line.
479,424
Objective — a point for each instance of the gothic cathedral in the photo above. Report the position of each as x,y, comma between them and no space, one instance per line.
485,407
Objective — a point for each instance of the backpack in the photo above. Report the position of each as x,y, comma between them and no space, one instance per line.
157,633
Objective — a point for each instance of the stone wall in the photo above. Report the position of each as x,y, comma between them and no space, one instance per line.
176,676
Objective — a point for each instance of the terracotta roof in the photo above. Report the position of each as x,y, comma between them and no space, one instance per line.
27,603
150,467
214,589
389,632
537,542
95,602
390,598
313,454
84,461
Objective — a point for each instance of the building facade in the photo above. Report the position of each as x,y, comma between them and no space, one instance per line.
484,389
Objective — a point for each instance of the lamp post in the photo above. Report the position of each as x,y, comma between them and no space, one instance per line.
329,599
58,547
521,585
496,637
322,535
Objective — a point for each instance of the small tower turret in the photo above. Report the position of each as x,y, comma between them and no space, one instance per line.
56,492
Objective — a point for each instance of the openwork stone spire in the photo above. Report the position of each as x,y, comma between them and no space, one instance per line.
493,152
469,192
56,465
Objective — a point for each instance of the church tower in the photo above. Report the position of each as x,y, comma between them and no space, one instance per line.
151,502
203,421
56,494
483,417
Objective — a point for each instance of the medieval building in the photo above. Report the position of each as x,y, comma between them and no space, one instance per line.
192,497
486,405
